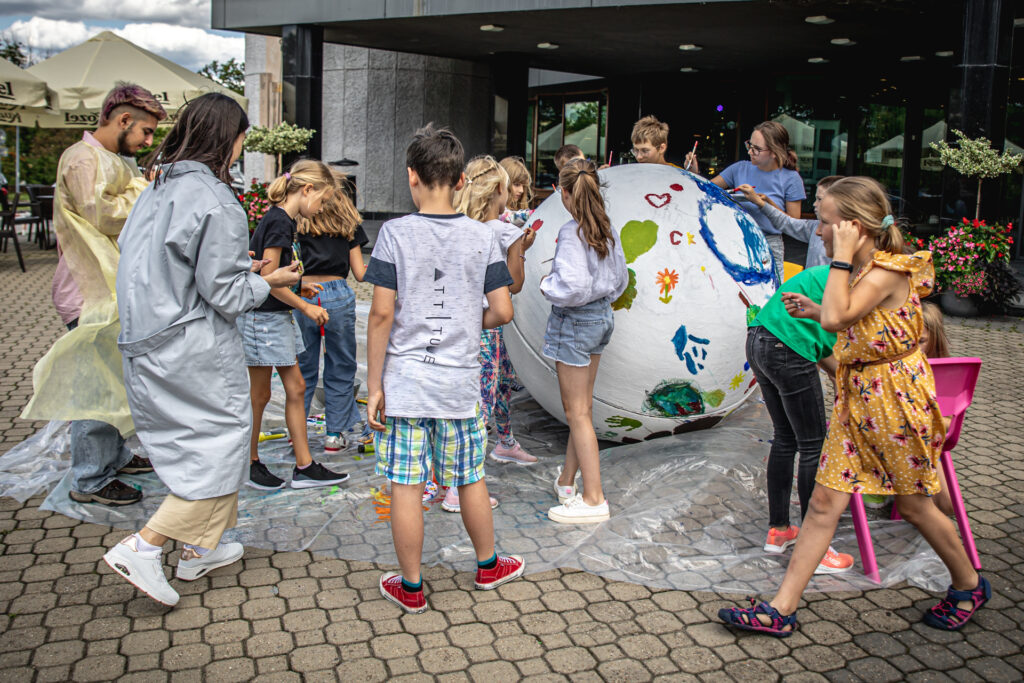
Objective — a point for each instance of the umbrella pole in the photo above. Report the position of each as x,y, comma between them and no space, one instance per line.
17,164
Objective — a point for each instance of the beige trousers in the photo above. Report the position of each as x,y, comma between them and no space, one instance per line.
196,522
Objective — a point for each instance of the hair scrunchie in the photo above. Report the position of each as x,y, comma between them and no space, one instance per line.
888,220
287,175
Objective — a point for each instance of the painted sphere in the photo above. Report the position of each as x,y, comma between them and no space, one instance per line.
699,269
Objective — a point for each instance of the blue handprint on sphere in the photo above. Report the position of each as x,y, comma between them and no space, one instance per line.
690,349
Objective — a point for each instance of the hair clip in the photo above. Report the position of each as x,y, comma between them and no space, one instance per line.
887,221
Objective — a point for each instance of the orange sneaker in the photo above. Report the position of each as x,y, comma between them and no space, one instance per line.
834,563
778,541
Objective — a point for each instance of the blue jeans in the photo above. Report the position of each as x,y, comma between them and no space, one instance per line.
339,354
97,451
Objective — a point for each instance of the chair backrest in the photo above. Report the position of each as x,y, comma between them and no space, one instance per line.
955,380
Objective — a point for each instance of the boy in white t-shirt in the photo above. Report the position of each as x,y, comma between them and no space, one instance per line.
429,270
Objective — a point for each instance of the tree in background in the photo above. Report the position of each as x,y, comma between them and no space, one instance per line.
230,74
281,139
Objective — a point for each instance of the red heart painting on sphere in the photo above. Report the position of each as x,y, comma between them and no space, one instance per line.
658,200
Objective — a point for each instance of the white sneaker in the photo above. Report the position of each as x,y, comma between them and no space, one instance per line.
564,493
145,570
221,556
333,444
576,511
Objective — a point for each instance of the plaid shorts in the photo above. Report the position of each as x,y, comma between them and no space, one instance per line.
408,447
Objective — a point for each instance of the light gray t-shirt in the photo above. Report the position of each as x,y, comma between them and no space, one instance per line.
439,266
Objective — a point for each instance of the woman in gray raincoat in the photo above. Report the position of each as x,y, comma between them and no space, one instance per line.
184,276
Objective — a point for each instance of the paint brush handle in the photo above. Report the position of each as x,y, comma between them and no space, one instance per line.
692,152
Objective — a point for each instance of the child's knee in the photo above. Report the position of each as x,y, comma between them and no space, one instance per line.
827,502
260,395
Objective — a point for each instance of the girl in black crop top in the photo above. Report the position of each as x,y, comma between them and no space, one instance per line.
331,245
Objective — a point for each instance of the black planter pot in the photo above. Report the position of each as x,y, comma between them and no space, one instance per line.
961,307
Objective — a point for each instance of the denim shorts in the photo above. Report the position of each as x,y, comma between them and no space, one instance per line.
575,334
269,338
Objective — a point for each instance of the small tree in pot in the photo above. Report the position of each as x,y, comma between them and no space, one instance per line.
281,139
976,159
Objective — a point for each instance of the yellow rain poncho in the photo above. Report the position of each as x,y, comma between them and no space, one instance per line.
81,377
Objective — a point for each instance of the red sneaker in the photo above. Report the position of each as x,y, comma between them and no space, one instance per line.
834,562
778,541
508,568
391,588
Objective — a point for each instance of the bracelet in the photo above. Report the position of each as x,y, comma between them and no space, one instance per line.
842,265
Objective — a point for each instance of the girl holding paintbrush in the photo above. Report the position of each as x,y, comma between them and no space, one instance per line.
771,169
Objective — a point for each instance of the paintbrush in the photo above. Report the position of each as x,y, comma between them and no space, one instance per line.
692,152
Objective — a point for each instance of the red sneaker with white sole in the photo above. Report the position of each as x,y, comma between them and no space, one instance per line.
508,568
391,588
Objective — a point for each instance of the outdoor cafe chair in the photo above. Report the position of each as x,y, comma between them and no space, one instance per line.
8,227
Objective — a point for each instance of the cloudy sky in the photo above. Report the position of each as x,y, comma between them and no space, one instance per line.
176,29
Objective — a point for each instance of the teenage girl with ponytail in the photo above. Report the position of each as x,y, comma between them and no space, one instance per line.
771,171
588,273
270,337
886,432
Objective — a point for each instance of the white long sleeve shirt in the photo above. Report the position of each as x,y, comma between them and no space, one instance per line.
579,276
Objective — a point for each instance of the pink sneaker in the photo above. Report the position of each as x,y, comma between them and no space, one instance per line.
513,453
451,500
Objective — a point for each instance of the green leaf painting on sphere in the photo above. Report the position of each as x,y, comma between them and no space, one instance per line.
619,422
713,398
752,312
637,238
626,300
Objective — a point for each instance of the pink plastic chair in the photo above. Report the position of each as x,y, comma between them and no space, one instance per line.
955,379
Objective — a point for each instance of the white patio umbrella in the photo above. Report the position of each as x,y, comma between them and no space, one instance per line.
23,97
84,74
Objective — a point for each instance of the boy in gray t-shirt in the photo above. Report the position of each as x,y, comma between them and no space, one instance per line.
429,270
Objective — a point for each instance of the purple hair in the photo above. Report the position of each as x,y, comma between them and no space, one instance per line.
131,95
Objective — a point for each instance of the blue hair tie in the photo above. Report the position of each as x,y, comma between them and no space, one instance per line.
887,221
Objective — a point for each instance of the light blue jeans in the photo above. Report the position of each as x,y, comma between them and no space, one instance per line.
339,354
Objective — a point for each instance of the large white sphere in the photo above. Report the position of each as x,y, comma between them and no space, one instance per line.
699,267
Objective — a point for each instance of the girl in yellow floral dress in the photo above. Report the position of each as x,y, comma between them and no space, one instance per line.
886,432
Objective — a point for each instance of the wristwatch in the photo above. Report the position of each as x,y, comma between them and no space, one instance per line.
843,265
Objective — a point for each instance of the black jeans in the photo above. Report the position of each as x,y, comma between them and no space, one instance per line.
792,393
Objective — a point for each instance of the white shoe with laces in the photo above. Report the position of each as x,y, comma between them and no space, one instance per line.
191,566
577,511
143,569
564,493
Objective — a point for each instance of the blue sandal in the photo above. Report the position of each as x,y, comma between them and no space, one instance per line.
948,616
746,619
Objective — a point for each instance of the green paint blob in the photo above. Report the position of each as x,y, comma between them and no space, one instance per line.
618,422
626,300
674,398
752,312
637,238
714,398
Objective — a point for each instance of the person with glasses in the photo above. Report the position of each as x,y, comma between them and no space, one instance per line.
650,140
771,170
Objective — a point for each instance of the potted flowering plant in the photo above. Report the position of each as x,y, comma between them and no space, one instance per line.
255,203
972,267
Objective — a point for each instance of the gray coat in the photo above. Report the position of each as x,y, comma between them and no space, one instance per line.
183,279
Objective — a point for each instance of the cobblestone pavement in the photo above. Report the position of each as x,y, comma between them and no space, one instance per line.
290,616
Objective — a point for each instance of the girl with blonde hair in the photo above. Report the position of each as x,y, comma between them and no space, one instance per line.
520,191
887,431
331,245
483,198
270,337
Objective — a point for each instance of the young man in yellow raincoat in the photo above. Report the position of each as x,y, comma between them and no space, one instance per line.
80,378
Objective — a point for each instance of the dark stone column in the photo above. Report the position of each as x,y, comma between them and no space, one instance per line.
510,76
302,69
978,107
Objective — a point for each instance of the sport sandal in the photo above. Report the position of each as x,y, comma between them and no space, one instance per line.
746,619
949,616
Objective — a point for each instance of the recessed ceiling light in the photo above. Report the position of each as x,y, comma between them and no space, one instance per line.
493,28
1019,21
817,60
944,53
687,69
843,41
819,19
911,58
690,47
547,46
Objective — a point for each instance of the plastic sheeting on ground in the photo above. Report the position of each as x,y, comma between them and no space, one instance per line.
688,511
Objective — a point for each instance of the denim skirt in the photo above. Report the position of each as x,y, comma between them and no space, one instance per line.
269,338
574,334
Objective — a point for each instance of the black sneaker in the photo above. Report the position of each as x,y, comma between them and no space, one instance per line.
137,465
114,493
316,475
261,478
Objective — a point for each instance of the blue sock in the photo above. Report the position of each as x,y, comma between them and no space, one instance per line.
412,587
489,564
333,433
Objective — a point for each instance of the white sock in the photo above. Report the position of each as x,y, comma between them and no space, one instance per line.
145,547
197,550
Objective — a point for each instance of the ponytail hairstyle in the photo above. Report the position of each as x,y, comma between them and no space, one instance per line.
518,175
338,215
776,137
484,178
303,172
864,199
579,179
